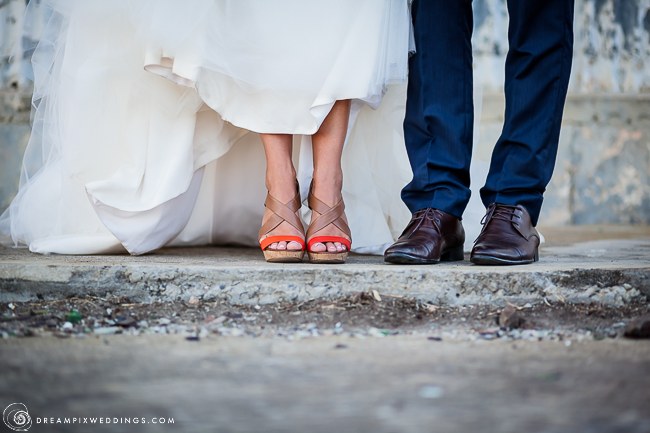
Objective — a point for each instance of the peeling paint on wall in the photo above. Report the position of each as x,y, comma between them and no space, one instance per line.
612,52
612,45
17,41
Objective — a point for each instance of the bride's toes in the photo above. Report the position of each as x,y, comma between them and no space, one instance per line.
335,247
282,233
278,246
294,246
285,246
332,230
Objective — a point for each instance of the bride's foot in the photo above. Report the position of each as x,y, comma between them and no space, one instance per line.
283,229
282,233
328,235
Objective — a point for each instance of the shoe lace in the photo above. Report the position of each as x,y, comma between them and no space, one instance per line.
426,214
495,211
501,211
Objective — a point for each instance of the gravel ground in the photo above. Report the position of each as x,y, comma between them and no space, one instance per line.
362,363
360,315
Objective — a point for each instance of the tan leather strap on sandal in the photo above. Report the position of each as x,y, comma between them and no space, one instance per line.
328,215
281,212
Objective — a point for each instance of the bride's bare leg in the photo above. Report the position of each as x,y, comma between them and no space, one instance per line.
281,183
328,176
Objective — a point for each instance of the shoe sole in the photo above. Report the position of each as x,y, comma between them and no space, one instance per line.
453,255
275,256
328,258
405,259
496,261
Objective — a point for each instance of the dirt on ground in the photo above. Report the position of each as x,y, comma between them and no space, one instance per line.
362,314
361,363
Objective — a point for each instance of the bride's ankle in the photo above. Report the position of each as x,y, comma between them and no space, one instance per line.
282,187
328,190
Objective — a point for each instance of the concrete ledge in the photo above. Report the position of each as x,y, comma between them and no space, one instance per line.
583,109
609,272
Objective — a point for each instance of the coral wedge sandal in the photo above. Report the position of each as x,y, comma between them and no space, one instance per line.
327,215
282,212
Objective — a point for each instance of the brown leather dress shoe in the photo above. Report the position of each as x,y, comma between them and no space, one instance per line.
507,238
430,237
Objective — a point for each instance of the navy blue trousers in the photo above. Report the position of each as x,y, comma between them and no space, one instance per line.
440,114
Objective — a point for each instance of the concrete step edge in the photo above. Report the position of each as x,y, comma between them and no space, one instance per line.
248,286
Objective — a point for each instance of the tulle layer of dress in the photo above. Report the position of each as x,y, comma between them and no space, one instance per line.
146,116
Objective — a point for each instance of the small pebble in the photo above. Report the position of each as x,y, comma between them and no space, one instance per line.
126,322
107,330
489,334
431,392
638,328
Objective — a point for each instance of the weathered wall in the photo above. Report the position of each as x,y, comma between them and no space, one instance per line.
612,45
15,90
604,159
603,165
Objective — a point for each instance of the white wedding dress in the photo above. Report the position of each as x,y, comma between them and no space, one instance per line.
146,114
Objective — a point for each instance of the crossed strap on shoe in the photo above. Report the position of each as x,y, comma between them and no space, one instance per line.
327,215
281,212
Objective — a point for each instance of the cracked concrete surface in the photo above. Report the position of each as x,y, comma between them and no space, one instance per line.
606,271
440,373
